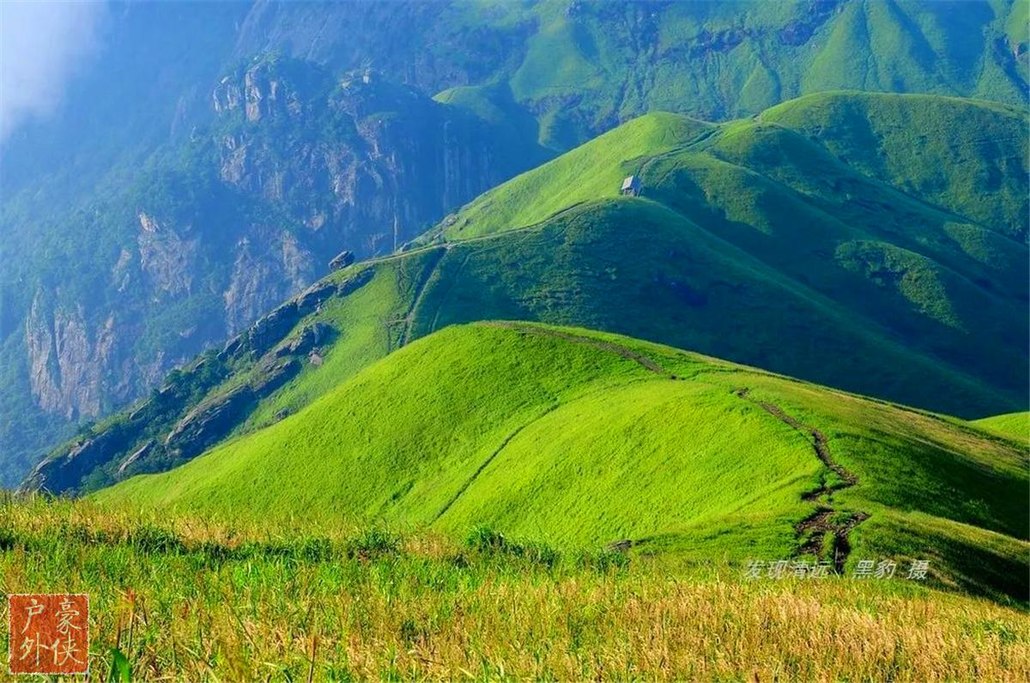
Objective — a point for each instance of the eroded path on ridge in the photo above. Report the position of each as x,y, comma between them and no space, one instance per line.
826,519
419,292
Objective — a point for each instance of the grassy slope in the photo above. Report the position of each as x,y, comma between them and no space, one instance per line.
591,171
635,267
736,58
967,156
1012,425
370,322
571,440
916,147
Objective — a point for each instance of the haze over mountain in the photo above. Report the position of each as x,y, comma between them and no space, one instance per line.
209,160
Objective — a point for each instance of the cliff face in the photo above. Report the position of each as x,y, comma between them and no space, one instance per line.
184,416
297,167
359,162
68,361
165,257
269,266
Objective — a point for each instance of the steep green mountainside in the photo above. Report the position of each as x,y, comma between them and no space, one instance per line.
718,60
965,156
230,128
751,242
970,160
582,438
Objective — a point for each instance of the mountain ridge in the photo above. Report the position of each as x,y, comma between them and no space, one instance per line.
522,67
827,275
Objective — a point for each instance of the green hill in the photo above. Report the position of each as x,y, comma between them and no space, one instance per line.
589,172
252,203
752,241
580,438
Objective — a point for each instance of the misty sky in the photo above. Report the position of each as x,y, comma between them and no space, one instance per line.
42,43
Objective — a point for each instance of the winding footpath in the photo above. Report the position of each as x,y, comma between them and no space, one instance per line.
826,519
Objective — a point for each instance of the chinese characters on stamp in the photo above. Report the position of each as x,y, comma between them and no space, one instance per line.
48,634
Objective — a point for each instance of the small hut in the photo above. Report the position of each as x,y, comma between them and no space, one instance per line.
342,260
631,186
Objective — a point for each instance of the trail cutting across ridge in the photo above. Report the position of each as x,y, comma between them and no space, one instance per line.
813,529
826,519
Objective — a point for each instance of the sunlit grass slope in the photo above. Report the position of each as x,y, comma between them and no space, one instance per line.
592,171
1013,425
968,156
580,439
636,267
905,213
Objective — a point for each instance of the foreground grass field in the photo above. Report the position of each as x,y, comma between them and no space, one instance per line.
184,599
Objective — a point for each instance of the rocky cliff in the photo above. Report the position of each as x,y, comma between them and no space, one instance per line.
195,407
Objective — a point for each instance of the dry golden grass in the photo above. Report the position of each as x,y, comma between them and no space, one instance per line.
434,610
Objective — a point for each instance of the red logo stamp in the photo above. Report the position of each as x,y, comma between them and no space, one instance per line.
49,634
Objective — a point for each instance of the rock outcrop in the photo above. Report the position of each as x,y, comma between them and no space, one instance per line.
69,359
208,422
342,260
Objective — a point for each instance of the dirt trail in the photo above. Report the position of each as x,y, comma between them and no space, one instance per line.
420,290
826,519
696,141
490,459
